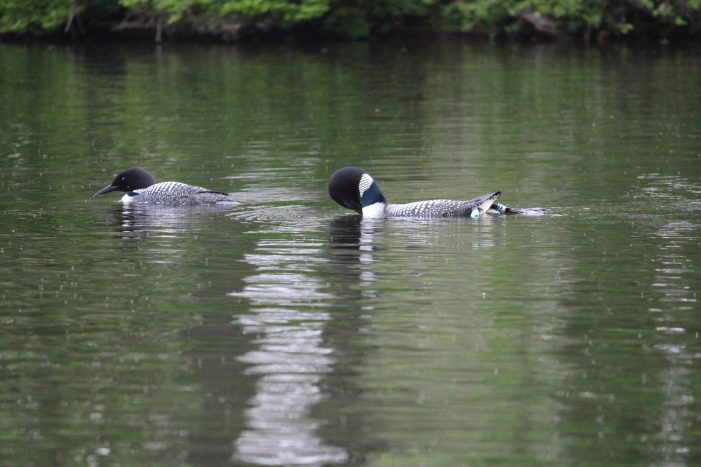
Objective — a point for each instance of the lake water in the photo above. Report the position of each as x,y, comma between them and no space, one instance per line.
286,330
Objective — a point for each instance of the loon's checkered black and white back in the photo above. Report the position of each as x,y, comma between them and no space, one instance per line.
441,207
141,187
176,194
354,188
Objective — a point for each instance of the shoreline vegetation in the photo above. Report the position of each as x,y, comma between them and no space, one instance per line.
584,21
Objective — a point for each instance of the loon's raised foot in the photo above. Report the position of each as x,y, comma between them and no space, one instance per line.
354,188
141,187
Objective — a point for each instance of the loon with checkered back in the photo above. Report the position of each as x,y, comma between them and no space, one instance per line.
141,187
354,188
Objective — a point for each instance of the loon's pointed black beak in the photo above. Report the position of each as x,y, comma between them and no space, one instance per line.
106,189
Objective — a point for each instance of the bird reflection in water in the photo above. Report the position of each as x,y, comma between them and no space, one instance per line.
352,240
161,220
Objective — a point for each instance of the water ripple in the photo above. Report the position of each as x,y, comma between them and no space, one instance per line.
287,316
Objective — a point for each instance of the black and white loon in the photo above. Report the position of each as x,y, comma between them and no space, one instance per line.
141,187
355,189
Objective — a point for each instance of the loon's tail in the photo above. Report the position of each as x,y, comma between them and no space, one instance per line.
478,206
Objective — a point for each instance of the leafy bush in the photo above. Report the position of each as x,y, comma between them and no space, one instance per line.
356,19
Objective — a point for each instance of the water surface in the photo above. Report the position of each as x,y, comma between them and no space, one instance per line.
287,331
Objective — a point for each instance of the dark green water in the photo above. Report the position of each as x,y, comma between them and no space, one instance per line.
286,331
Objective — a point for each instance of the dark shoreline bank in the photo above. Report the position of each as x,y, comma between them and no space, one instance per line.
146,38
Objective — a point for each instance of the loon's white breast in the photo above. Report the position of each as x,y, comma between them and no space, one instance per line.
375,211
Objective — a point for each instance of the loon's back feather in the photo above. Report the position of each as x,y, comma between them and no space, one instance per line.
441,207
176,193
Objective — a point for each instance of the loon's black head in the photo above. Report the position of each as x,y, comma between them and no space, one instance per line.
129,180
354,188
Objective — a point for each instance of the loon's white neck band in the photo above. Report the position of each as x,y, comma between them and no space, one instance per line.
374,211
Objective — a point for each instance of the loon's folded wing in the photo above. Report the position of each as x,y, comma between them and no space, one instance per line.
471,208
207,197
445,207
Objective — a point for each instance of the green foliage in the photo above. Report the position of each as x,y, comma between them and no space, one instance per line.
172,9
357,19
349,22
493,17
32,16
482,16
388,15
287,11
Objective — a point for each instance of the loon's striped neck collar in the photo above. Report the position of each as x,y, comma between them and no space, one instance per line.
370,193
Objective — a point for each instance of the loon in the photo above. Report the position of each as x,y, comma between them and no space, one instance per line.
354,188
141,187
